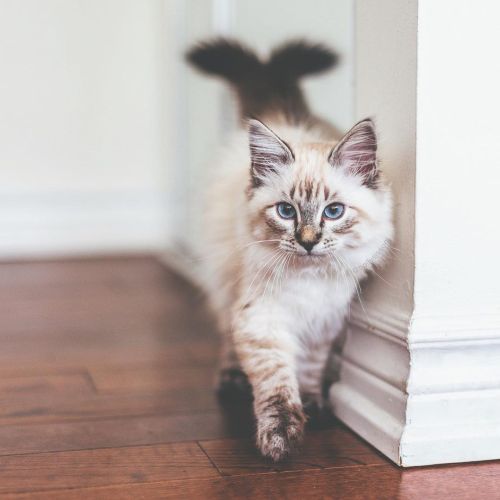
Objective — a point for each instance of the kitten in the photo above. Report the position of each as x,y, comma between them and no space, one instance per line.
297,217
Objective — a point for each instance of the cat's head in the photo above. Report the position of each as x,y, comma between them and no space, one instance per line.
319,201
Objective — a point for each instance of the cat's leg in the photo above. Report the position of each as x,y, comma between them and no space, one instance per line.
311,365
267,356
232,383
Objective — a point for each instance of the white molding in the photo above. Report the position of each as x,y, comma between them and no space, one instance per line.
60,223
390,324
371,407
457,326
450,444
448,407
371,396
444,427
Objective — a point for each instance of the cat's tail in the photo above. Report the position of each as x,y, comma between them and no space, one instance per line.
264,87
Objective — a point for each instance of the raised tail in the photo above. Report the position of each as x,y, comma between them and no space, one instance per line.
264,87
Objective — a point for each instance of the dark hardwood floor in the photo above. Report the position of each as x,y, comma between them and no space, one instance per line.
106,374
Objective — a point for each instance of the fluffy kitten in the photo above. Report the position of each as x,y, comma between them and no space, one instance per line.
297,217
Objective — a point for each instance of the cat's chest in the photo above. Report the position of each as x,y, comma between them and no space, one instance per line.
315,305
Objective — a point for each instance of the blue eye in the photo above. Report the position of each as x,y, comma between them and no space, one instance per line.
334,211
285,210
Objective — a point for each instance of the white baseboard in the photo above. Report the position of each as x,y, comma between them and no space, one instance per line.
370,407
82,222
446,409
462,426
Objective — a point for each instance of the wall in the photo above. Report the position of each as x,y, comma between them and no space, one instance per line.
420,377
371,396
453,412
460,170
106,135
83,126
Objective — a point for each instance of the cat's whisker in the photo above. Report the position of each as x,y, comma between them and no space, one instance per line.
283,271
274,257
274,270
372,270
229,251
356,284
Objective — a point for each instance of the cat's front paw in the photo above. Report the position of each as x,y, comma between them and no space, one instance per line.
280,427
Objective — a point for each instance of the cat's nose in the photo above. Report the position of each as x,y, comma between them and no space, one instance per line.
308,237
308,245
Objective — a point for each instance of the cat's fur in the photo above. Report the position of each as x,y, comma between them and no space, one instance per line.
279,306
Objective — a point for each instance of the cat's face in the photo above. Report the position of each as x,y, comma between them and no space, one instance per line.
321,202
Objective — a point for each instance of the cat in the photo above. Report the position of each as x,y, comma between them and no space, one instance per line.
297,216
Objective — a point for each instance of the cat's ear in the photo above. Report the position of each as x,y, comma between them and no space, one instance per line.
357,152
268,153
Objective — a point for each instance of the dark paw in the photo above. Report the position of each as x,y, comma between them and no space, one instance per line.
233,386
312,407
279,430
318,415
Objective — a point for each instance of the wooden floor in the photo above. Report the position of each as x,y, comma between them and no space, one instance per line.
106,372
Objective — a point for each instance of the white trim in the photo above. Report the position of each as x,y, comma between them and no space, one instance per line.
450,428
61,223
446,410
391,324
371,407
455,327
371,395
468,328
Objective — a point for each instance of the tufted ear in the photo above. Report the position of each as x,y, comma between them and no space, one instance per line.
357,151
268,153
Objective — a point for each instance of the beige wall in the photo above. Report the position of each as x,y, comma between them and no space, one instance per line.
105,135
82,125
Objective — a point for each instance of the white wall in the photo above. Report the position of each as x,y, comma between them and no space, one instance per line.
106,135
458,137
83,125
420,376
453,412
371,396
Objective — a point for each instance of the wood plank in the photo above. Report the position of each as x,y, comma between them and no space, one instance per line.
154,377
376,482
34,315
41,386
117,432
124,466
79,350
116,351
379,482
55,408
336,447
63,276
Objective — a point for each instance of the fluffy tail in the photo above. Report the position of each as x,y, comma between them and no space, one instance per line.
264,87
